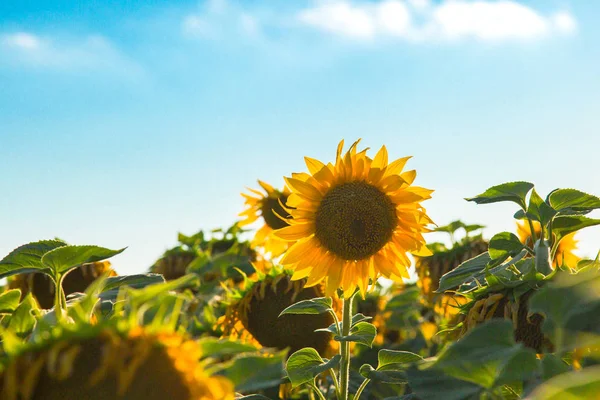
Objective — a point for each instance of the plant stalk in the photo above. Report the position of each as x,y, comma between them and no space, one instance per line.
361,388
345,345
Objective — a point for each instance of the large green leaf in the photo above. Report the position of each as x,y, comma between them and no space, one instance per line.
488,356
575,385
28,258
539,210
464,272
363,333
571,201
564,225
305,364
62,259
571,305
317,305
433,384
9,301
511,191
252,372
504,244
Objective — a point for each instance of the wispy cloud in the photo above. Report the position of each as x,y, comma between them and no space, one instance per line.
422,20
217,18
89,53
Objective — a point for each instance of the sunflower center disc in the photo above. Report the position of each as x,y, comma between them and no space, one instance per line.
270,206
355,220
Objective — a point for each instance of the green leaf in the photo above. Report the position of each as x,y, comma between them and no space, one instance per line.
62,259
571,306
317,305
391,358
488,356
433,384
539,210
356,318
464,272
511,191
504,244
391,366
22,321
305,364
28,258
213,347
575,385
135,281
9,301
571,201
363,333
473,227
451,227
564,225
252,372
552,366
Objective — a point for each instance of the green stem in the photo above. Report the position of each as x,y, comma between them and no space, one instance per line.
345,345
318,392
533,238
337,321
361,388
58,299
335,382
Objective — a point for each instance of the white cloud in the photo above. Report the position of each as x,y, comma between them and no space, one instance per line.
564,22
93,52
423,20
340,18
216,18
21,40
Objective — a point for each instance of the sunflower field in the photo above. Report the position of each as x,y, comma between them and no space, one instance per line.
338,295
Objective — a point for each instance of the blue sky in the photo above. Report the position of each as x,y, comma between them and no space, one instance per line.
124,122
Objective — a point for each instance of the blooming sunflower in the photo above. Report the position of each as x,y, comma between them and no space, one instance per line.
269,208
103,364
564,254
42,287
354,220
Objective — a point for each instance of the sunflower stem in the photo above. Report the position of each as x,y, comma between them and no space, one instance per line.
318,392
337,322
361,388
335,382
345,345
58,299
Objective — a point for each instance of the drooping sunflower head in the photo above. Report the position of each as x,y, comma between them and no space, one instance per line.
354,220
270,208
527,326
443,260
106,364
564,254
77,280
253,315
173,264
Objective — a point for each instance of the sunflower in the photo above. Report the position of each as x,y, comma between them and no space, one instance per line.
173,264
253,314
430,269
564,254
77,280
527,326
354,220
270,208
105,364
